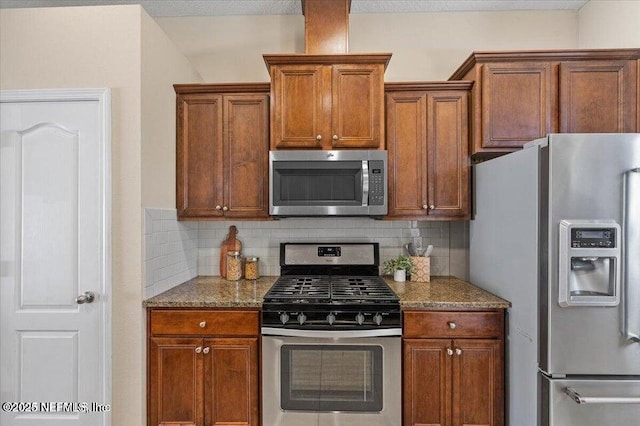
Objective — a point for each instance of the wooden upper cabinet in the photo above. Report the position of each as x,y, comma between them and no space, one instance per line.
518,104
521,96
222,147
598,97
427,143
327,101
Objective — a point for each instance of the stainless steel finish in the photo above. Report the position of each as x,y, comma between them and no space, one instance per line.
273,415
449,351
632,249
218,207
330,334
87,297
458,351
205,350
579,399
452,325
333,210
600,402
307,254
365,182
203,324
335,137
585,273
520,200
199,349
319,137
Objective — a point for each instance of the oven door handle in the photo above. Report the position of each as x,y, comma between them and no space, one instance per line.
331,334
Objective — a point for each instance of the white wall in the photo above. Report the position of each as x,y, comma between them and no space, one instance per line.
606,24
426,46
102,47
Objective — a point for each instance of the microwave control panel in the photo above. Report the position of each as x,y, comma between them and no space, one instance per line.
376,183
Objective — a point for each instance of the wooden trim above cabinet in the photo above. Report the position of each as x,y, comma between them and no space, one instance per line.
543,55
343,59
226,88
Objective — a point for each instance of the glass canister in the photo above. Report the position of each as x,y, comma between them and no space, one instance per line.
234,266
251,268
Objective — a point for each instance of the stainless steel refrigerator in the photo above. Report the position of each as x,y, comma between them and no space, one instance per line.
556,231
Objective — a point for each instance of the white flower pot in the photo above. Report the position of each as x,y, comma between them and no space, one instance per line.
400,275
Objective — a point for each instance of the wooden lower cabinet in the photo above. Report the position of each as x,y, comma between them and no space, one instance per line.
450,381
203,379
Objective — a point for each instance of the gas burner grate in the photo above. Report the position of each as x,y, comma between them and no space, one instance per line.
370,289
300,287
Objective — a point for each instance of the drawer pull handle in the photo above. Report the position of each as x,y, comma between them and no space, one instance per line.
199,349
458,351
452,325
203,324
205,350
449,351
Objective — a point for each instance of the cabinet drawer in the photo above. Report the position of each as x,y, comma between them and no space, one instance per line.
205,322
453,324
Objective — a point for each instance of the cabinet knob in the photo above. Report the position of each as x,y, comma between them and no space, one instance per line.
449,351
452,325
319,137
225,208
335,137
203,324
431,207
199,349
218,207
206,350
458,351
424,207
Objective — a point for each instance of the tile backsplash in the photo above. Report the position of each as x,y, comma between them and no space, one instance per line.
177,251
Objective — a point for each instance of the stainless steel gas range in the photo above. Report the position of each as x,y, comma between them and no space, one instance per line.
331,347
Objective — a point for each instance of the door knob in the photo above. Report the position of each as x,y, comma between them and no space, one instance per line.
87,297
218,207
335,137
319,137
225,208
431,207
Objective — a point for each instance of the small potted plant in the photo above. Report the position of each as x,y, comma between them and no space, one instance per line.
399,267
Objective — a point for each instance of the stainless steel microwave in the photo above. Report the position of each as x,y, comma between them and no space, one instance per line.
328,183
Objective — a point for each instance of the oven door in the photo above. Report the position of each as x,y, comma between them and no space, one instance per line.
331,381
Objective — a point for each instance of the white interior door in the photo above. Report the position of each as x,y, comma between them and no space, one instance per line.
55,255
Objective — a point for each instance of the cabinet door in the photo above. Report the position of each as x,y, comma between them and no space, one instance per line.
231,385
407,151
447,157
198,155
427,382
175,381
357,106
246,162
598,97
478,382
518,104
298,112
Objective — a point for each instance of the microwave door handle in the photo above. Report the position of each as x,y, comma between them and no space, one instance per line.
632,253
365,182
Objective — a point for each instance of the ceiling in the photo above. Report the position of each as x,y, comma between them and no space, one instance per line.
166,8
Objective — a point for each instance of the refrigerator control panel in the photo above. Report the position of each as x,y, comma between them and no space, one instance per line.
593,237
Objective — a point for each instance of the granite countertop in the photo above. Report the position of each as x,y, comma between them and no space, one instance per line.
217,292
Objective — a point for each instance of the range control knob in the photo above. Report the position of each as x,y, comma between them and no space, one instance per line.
377,318
360,318
284,317
331,318
301,318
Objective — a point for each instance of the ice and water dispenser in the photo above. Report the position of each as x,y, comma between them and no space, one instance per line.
590,258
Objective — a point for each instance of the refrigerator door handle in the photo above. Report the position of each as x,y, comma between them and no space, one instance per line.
579,399
632,254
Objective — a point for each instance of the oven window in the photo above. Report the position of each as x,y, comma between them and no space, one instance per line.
331,378
299,183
